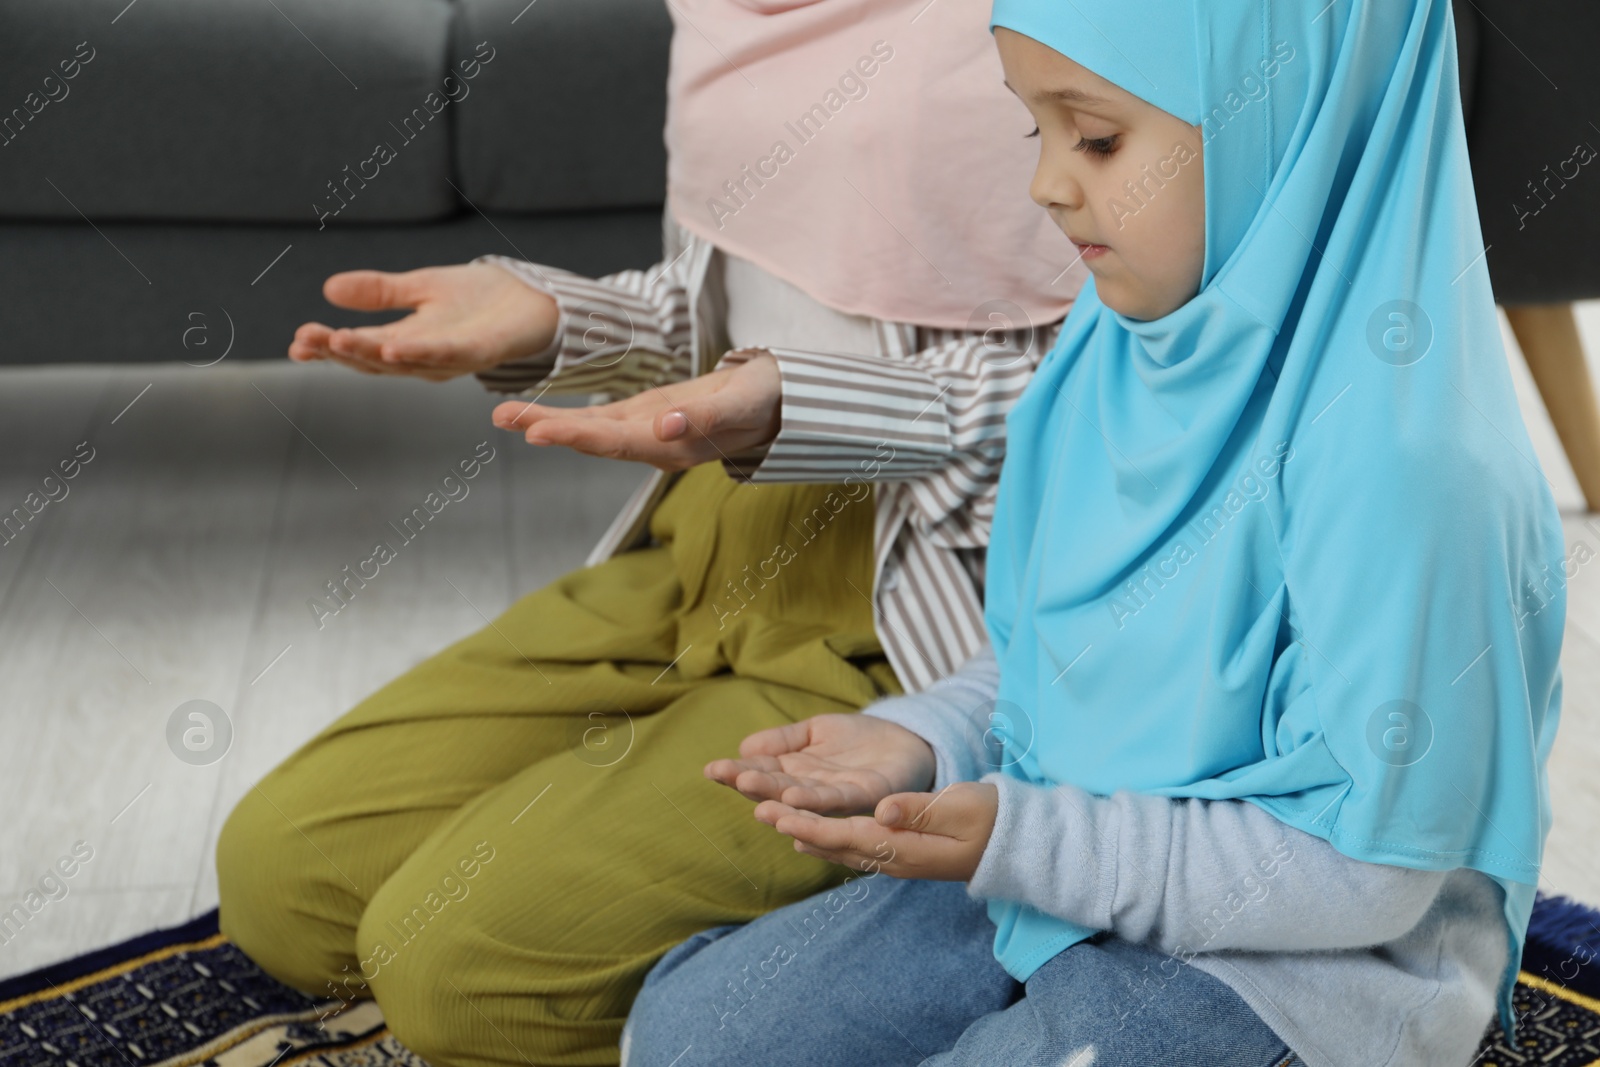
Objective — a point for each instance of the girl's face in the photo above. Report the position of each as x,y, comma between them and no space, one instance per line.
1122,178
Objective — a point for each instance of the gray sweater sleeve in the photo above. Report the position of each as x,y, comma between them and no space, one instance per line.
1191,875
952,715
1186,875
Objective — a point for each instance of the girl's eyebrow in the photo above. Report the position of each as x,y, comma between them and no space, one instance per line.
1071,96
1074,96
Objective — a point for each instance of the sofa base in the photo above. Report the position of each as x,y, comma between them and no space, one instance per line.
142,292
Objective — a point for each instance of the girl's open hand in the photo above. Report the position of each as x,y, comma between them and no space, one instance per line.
836,764
712,416
939,836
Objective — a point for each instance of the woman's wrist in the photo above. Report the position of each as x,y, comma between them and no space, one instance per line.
774,415
535,322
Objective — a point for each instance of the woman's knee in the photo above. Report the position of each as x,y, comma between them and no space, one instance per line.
450,1003
455,988
444,990
270,907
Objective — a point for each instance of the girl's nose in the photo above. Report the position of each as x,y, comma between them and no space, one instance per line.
1054,187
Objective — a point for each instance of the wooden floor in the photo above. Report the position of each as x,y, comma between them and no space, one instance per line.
218,501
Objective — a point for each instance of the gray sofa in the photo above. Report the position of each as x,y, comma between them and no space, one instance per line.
1532,100
230,154
1532,96
209,142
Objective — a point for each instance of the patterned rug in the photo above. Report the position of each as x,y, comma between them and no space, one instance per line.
186,997
1558,992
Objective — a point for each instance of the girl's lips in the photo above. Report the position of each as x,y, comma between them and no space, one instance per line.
1087,251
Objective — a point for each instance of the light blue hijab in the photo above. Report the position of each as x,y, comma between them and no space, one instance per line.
1290,543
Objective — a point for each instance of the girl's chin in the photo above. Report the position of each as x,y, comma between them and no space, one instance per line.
1124,301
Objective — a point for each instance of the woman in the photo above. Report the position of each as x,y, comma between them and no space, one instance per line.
816,548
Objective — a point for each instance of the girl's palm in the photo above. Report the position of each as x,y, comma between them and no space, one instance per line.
830,764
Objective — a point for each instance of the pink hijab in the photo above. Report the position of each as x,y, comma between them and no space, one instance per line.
867,152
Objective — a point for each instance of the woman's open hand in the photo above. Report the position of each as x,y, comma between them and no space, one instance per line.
830,764
465,318
715,415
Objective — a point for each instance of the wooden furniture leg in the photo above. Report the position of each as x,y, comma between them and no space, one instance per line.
1548,337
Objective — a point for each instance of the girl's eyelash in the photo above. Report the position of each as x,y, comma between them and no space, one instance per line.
1099,146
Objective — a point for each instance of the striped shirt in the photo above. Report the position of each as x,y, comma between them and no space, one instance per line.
923,419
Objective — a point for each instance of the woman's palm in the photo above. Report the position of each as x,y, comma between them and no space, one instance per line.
464,318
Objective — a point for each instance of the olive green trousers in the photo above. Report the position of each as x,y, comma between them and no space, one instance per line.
501,842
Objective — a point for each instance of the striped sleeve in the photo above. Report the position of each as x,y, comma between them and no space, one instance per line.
742,466
934,419
617,335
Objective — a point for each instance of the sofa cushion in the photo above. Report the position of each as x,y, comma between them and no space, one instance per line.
1533,132
570,114
225,109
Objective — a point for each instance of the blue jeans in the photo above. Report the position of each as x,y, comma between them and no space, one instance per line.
884,972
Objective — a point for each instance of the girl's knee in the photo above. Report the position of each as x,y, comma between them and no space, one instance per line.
669,1014
678,1007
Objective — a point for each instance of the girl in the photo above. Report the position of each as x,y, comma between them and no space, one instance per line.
1273,678
500,843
